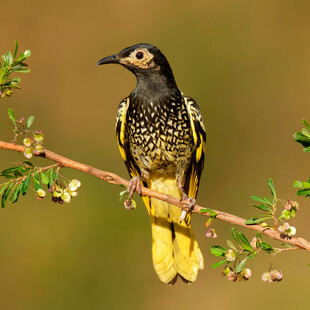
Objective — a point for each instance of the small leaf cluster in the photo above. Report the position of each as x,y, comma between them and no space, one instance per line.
26,176
270,206
19,181
303,137
34,142
303,188
266,204
236,256
11,63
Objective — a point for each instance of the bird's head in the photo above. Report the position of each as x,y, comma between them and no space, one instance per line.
146,61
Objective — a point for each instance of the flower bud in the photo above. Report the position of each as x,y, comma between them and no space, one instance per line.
28,152
246,273
232,276
209,233
41,193
266,277
38,136
286,214
38,149
254,243
226,271
28,141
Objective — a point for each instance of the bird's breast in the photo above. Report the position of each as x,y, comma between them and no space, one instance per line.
159,135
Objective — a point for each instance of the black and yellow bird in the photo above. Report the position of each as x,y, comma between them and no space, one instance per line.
161,137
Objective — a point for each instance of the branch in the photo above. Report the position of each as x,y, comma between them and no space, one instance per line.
117,180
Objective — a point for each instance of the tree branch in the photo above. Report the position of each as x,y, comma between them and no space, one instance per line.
117,180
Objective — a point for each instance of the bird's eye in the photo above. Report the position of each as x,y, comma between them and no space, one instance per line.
139,55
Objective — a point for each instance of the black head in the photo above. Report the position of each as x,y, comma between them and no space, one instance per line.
146,61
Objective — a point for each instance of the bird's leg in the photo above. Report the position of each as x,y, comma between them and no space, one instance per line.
135,186
191,201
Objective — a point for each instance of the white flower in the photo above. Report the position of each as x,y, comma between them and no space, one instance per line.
291,231
74,185
230,255
66,197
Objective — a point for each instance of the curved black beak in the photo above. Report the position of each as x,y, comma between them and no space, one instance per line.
108,60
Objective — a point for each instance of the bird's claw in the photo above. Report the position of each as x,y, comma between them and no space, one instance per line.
191,204
134,186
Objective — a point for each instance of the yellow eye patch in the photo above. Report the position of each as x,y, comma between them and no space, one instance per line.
144,62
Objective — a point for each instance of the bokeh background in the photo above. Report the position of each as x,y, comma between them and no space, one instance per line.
247,65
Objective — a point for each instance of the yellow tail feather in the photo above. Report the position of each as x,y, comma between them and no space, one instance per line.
174,247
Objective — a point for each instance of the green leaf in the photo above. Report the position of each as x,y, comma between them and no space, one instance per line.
11,116
11,170
303,192
15,194
240,266
231,245
3,187
122,194
25,184
27,53
302,139
259,235
21,68
29,121
266,247
246,244
305,132
307,149
36,181
7,59
29,163
217,264
252,254
273,191
211,212
235,235
16,49
265,200
256,220
6,194
23,55
44,178
298,184
263,207
217,250
306,124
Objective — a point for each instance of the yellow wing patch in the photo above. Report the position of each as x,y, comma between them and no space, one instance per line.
121,134
199,139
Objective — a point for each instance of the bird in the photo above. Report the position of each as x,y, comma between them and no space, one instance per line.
161,137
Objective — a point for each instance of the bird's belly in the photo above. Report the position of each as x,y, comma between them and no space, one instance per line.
161,154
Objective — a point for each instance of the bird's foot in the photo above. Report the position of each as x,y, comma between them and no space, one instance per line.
191,204
134,186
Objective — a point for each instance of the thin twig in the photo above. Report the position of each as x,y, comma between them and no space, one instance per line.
117,180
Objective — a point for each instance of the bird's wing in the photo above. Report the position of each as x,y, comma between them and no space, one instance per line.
122,140
194,171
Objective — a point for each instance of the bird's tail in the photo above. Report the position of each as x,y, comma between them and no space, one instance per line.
175,250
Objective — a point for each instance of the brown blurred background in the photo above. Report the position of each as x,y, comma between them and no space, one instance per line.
247,65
